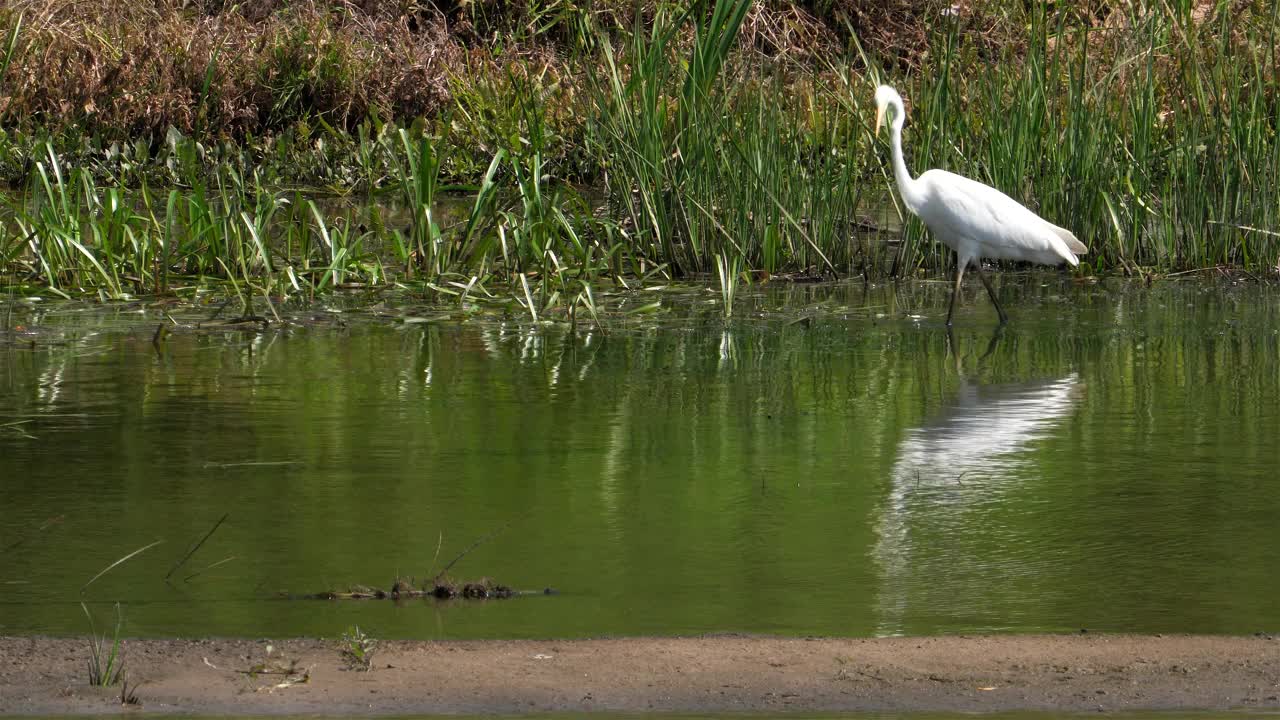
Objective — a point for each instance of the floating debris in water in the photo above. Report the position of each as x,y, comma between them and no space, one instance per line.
438,588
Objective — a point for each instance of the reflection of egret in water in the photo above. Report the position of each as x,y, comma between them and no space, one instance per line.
946,548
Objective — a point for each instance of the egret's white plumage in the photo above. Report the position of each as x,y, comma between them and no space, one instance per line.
975,220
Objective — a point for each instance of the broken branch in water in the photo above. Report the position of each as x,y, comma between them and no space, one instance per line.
402,589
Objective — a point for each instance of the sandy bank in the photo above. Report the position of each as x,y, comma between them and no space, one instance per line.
41,675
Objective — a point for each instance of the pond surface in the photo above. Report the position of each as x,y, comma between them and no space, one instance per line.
1107,462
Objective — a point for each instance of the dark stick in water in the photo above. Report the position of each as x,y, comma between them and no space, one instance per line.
196,547
466,552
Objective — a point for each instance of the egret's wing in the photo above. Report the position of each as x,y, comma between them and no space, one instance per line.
1069,238
1001,226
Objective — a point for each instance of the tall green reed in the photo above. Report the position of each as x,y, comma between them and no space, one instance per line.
1154,140
416,170
699,168
59,236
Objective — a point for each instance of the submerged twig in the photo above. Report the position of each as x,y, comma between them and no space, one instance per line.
43,526
218,311
466,552
206,568
263,463
194,548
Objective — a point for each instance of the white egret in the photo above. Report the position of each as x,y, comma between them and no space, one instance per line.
975,220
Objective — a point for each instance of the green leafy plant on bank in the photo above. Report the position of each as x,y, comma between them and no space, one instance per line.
357,649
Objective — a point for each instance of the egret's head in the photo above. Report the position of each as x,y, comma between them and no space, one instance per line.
887,97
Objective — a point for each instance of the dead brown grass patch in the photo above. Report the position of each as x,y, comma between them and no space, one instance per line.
137,67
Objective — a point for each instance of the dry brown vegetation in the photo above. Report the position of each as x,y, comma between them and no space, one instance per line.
149,65
214,66
255,67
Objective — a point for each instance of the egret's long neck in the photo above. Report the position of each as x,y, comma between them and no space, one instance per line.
906,184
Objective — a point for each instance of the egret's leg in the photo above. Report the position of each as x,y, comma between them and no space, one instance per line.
993,342
991,293
960,263
954,350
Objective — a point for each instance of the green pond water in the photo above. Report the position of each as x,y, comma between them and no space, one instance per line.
827,463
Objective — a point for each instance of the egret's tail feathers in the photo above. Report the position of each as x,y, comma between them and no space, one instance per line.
1073,244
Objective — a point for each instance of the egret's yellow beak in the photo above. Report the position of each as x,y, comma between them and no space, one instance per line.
879,117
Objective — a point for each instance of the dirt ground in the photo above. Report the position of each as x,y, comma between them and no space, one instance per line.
40,675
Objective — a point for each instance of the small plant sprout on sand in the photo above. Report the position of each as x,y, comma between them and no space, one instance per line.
357,649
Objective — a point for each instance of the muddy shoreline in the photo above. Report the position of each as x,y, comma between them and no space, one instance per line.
42,675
